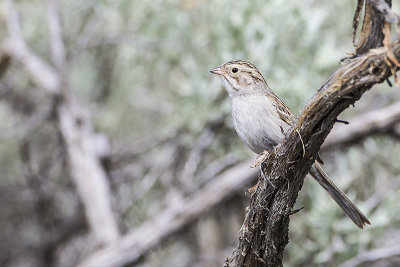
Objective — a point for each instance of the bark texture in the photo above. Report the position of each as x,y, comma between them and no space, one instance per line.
265,231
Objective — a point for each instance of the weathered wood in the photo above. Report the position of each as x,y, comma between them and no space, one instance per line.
375,14
265,232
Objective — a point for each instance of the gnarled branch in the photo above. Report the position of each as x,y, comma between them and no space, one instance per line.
266,227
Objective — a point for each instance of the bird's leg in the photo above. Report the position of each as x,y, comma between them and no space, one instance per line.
265,178
253,189
260,158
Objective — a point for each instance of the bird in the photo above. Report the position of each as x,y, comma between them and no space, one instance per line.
260,119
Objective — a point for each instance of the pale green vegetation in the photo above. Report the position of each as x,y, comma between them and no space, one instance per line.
142,68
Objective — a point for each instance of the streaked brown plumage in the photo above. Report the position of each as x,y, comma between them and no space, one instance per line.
260,117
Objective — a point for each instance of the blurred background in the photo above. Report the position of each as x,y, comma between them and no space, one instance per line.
141,70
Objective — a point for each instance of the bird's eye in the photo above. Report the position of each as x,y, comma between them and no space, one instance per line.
234,70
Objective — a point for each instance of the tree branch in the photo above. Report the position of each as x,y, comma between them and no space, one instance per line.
375,15
362,126
265,234
373,255
131,247
266,227
39,71
241,175
56,36
384,8
74,123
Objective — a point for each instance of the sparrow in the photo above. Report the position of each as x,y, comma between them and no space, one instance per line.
260,119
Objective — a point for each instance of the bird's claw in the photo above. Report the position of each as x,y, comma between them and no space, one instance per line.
260,158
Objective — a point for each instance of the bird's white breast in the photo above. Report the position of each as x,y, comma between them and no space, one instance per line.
257,122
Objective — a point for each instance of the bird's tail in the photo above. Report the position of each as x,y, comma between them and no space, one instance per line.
347,206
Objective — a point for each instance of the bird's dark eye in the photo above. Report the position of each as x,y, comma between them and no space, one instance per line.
234,70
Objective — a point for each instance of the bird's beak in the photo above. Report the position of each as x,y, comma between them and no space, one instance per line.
218,71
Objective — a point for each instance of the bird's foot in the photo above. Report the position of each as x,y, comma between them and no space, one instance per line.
260,158
253,189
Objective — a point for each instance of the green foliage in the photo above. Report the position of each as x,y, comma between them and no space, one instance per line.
142,67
